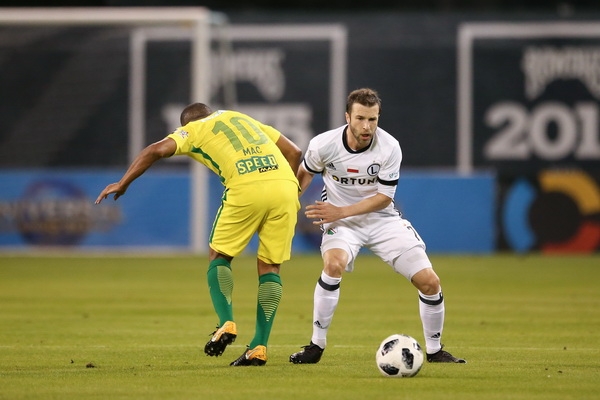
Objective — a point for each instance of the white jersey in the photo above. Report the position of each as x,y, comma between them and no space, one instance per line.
349,175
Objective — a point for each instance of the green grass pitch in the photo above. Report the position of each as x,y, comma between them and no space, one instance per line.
127,327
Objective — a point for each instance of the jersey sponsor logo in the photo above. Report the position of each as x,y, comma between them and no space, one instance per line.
331,166
269,168
373,169
257,163
345,180
252,150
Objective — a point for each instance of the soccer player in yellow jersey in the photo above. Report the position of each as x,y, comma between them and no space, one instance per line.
257,165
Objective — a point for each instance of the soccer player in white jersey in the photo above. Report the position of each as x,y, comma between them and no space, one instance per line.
360,165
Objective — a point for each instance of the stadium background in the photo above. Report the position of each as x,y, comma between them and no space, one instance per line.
539,191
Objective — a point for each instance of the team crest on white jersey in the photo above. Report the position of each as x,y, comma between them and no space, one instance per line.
373,169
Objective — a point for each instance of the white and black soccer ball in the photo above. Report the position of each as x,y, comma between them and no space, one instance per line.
399,356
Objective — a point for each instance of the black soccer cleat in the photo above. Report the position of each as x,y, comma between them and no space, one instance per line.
256,356
310,355
220,339
443,356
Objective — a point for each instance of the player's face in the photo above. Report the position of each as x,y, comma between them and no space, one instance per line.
362,123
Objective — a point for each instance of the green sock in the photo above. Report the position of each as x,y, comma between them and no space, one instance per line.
269,296
220,286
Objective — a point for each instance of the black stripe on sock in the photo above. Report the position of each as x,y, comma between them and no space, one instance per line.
433,302
326,286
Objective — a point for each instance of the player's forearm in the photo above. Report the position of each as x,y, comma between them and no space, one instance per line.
142,162
370,204
304,178
294,161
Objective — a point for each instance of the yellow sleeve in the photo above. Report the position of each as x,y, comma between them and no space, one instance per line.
181,138
271,132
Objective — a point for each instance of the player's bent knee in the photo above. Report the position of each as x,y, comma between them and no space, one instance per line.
335,260
427,281
334,270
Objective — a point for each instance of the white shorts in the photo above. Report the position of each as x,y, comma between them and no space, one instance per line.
390,237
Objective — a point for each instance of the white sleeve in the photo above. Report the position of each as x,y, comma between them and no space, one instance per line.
312,159
389,173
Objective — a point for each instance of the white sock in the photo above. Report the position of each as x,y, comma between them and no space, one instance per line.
326,297
431,308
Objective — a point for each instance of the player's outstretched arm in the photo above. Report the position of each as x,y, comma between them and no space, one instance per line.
144,160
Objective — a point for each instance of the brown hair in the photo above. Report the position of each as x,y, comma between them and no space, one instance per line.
193,112
365,96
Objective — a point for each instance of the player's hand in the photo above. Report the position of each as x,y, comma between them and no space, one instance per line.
110,189
323,212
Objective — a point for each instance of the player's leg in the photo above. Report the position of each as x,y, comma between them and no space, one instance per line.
269,295
327,294
339,248
325,300
399,245
432,311
220,286
410,259
417,267
228,239
275,235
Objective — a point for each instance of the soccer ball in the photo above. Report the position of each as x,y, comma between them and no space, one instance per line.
399,356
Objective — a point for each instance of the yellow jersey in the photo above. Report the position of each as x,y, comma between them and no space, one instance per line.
235,146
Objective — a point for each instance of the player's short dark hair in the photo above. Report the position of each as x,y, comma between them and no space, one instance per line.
193,112
365,96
